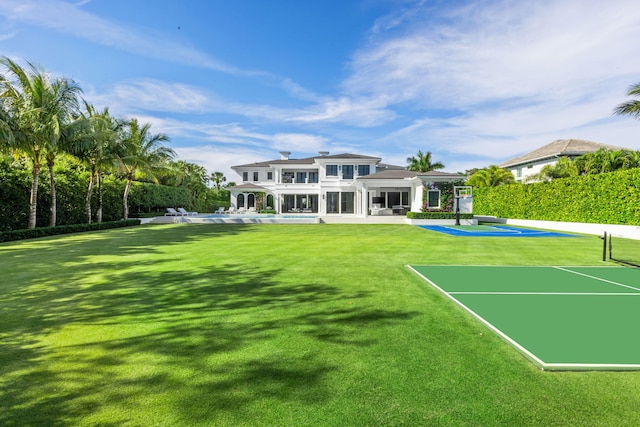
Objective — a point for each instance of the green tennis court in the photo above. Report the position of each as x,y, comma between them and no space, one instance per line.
560,318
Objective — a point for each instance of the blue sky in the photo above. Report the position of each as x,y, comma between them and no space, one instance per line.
233,82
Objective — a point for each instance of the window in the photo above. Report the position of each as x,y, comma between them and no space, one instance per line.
269,176
240,201
245,176
255,176
251,201
347,171
301,177
333,200
347,202
313,177
433,199
363,170
519,173
287,177
332,170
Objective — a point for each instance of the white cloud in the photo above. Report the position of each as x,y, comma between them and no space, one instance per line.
153,95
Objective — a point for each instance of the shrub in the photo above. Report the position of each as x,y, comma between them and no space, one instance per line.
7,236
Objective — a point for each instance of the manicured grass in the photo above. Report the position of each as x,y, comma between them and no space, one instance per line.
275,325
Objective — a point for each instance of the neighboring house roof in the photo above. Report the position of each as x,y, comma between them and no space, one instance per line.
558,148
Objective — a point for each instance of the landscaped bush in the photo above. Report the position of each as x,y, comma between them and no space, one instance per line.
7,236
607,198
437,215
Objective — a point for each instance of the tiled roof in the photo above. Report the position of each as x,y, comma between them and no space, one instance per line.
391,174
247,186
560,147
308,160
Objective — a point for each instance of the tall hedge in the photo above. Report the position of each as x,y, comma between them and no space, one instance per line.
71,187
608,198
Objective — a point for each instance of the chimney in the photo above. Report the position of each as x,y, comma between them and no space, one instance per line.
284,155
323,153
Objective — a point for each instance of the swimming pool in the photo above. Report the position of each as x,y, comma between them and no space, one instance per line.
250,219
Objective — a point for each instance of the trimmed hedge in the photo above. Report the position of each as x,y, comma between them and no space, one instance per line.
607,198
437,215
7,236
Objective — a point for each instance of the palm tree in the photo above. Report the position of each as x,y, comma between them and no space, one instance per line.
630,108
40,110
218,178
141,152
563,168
94,140
422,163
492,176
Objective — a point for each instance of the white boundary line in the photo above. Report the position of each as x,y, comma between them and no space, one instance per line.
532,357
635,294
598,278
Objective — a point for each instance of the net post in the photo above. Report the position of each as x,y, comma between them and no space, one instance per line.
604,247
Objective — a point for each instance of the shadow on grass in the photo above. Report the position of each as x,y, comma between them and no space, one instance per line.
188,345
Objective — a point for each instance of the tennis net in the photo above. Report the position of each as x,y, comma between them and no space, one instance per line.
624,250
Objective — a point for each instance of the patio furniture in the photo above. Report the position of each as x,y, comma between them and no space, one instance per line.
185,213
173,212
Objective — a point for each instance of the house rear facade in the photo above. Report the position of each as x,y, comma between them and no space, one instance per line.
342,184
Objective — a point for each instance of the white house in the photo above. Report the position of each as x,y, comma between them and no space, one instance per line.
532,163
341,184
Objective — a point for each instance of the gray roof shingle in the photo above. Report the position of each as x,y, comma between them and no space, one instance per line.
560,147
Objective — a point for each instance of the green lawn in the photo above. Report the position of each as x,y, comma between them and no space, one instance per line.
287,325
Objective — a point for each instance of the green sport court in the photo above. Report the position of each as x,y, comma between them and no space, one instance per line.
560,318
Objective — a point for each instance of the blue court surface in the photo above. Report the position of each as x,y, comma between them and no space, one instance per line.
493,231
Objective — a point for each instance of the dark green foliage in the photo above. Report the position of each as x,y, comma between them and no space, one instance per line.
446,195
607,198
15,184
7,236
437,215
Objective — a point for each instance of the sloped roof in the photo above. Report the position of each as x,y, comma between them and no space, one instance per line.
247,186
307,160
391,174
403,174
560,147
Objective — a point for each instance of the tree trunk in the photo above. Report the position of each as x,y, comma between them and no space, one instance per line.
52,206
87,200
33,200
125,203
99,208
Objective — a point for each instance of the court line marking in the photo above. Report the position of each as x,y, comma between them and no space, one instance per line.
598,278
521,349
546,293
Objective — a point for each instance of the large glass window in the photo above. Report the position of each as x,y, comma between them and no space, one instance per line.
287,177
269,176
347,171
240,200
347,202
245,176
363,170
333,202
313,177
251,201
301,177
332,170
255,176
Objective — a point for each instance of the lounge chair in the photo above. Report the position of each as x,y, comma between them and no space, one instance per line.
220,210
173,212
231,210
185,213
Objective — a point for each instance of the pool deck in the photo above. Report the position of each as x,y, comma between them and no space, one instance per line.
297,219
